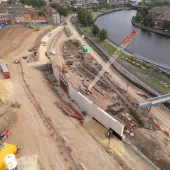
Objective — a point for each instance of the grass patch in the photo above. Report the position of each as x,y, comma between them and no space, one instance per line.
88,30
131,60
94,14
159,84
65,18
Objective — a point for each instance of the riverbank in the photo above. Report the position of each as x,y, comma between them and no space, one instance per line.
111,11
134,64
151,29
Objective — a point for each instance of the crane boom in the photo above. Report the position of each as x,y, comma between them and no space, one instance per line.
112,59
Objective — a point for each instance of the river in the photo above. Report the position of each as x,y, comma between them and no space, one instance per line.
149,45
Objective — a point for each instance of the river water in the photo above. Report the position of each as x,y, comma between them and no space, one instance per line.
149,45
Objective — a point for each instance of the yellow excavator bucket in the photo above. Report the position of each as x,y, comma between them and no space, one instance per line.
7,149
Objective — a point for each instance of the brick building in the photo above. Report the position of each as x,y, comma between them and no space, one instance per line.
154,12
7,18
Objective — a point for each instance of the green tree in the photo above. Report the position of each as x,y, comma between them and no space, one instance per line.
56,6
138,17
103,35
35,3
165,25
85,17
95,29
145,22
63,11
12,1
41,13
148,21
143,12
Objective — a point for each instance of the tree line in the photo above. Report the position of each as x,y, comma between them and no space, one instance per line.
143,18
35,3
85,18
61,10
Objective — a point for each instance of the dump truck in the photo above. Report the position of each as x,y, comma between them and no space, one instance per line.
5,70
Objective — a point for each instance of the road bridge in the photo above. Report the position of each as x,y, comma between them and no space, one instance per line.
155,101
134,6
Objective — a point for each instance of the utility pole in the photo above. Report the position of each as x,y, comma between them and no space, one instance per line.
110,134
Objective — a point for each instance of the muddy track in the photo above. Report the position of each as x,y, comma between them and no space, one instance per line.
52,132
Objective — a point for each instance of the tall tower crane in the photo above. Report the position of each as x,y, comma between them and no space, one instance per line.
111,60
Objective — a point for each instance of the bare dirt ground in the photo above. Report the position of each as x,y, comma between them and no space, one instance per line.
162,114
11,39
141,135
157,146
29,132
84,148
95,129
8,115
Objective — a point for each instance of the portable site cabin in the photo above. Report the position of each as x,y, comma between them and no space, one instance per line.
85,49
5,70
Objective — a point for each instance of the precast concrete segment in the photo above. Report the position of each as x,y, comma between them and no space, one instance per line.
92,109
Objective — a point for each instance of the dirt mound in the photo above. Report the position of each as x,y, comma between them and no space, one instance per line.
72,46
154,145
7,116
11,36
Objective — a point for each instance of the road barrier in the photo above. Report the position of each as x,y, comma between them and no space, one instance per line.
144,158
47,122
91,108
134,80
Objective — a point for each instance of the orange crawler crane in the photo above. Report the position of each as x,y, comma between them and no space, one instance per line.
64,68
111,60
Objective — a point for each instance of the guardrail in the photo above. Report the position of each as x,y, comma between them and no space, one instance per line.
151,61
125,73
143,157
117,66
51,40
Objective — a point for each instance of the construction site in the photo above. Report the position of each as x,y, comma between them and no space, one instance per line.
63,107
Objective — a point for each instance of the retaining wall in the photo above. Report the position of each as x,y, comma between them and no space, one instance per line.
91,108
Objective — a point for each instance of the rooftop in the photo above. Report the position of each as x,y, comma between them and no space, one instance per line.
94,2
159,10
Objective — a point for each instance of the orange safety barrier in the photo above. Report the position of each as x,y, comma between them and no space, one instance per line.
49,118
69,148
70,167
60,145
167,133
158,125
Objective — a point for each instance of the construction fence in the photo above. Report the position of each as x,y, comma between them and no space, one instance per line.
91,108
